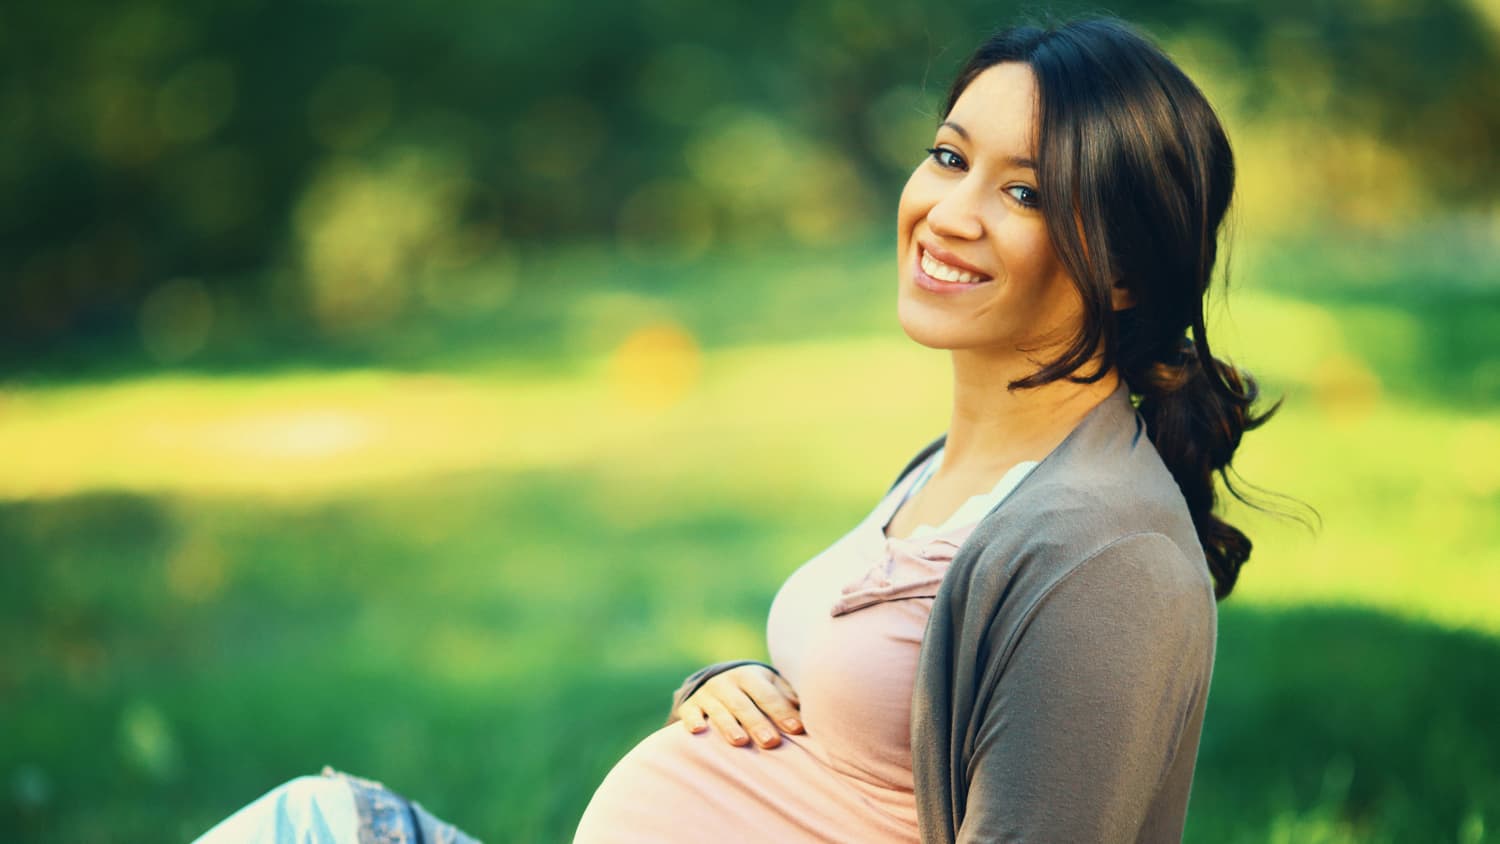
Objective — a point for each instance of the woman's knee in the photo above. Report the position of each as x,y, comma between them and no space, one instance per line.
314,809
311,795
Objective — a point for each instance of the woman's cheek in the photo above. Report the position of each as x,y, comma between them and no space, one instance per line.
919,194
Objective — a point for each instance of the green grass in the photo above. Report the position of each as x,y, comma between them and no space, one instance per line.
479,580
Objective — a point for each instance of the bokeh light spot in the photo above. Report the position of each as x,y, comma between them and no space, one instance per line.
656,366
366,231
147,741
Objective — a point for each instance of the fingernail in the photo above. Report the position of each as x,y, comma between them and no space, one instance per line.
793,724
738,736
764,736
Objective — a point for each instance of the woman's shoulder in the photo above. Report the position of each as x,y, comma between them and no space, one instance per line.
1111,522
1076,509
1093,509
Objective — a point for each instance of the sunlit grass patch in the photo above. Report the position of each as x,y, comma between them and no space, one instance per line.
1412,532
325,434
1405,488
278,435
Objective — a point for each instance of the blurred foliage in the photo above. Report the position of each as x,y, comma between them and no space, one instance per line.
187,180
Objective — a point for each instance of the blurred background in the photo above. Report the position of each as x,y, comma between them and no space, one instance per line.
425,389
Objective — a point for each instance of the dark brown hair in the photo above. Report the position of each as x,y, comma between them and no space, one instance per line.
1133,162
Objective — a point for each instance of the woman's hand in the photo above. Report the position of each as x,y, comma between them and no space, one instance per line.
748,698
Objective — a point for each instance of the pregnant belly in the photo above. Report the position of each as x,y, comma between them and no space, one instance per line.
677,786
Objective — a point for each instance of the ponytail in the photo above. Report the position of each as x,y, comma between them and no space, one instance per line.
1196,409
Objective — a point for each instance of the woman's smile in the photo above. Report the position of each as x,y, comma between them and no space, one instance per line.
929,273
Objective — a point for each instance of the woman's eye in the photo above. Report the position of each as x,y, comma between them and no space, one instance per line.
945,158
1025,195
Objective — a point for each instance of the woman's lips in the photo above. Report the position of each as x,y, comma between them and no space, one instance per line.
937,285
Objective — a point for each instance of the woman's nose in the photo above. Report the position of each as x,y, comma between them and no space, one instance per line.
957,213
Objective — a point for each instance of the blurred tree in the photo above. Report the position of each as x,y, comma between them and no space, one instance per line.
166,143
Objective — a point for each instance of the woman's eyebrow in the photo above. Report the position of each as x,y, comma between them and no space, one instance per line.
962,132
1017,160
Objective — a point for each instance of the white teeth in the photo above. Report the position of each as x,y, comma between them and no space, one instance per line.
939,270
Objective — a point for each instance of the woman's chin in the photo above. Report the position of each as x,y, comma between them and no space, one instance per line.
929,333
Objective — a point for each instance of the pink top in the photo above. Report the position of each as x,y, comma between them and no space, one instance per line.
845,630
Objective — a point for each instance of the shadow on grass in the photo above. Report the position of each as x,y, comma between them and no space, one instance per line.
165,662
1329,723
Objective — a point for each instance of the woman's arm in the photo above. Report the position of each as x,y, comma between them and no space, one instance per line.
1092,730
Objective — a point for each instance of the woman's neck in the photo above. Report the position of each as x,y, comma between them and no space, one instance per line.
993,428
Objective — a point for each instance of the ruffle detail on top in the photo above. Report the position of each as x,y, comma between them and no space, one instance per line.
911,568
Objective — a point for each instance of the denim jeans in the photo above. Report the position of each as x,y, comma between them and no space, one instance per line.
333,808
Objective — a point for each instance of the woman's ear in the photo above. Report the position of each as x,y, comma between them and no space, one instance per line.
1121,297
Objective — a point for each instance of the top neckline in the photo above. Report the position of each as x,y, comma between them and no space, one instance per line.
985,501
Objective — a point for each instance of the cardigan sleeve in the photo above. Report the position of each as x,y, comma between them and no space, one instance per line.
1102,688
695,681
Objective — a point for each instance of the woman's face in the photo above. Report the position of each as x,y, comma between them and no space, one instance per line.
974,204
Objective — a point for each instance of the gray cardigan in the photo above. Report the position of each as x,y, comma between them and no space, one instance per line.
1064,671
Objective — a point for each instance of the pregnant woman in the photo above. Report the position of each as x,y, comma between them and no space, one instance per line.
1016,642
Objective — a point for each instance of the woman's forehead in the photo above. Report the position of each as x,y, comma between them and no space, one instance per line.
997,111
